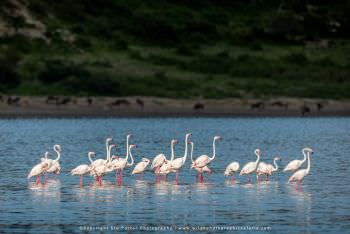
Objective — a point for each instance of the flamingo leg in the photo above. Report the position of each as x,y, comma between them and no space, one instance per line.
201,178
37,180
81,181
267,178
45,178
248,178
177,177
233,177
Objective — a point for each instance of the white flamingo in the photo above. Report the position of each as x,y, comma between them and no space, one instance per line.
299,175
47,159
231,169
123,163
205,169
165,169
38,170
272,168
294,165
204,160
157,162
262,169
141,166
251,167
100,161
83,169
55,165
178,163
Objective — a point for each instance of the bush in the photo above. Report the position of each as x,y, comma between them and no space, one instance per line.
9,77
297,58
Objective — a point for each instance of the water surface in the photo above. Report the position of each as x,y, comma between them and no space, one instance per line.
61,206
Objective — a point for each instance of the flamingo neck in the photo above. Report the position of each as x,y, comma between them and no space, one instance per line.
127,144
58,155
276,166
89,156
212,158
132,159
192,153
258,158
308,163
107,150
304,153
186,146
172,151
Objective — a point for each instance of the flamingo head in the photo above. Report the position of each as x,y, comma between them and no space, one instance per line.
129,135
47,154
132,146
257,152
217,138
108,140
309,150
146,160
57,148
173,141
91,154
188,134
277,159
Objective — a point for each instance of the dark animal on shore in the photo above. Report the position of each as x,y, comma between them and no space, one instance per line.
305,109
1,98
257,105
52,99
198,106
319,106
64,101
140,103
13,101
280,104
119,102
89,100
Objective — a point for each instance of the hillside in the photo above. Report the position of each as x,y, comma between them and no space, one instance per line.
177,49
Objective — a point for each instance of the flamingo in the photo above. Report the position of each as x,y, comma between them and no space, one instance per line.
262,169
123,163
204,160
83,169
272,168
38,170
294,165
55,166
179,162
165,169
251,167
232,168
99,162
141,166
199,170
47,160
299,175
157,162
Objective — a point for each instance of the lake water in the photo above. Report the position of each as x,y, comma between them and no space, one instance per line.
62,206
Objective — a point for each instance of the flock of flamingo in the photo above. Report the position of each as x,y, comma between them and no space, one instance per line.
163,166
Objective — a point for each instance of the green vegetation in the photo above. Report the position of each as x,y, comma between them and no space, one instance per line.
179,49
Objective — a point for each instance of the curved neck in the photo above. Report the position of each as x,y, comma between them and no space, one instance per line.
172,151
58,154
258,157
212,158
276,166
89,156
308,163
132,159
304,153
186,147
192,152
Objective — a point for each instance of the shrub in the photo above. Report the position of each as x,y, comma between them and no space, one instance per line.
297,58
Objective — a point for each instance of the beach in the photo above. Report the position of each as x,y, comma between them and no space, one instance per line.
54,106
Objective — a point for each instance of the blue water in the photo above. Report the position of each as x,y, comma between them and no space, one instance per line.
61,206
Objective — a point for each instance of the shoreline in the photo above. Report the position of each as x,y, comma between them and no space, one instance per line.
148,107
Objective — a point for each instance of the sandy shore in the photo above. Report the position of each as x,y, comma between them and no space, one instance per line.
37,107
